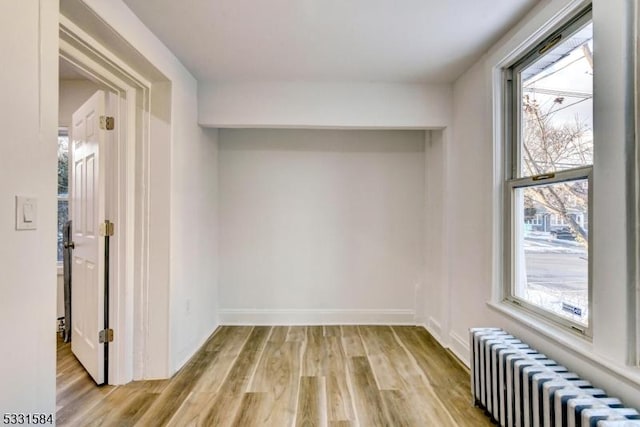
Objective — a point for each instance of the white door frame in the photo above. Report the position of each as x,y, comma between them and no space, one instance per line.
128,198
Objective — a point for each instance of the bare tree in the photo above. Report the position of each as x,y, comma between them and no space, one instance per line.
549,146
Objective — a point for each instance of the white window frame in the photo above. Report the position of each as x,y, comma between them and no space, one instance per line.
512,180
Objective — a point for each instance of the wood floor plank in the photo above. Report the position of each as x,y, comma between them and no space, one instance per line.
448,382
332,331
193,410
172,397
279,334
339,400
67,364
222,411
297,333
379,349
381,340
311,406
75,385
251,411
396,369
181,386
367,398
225,353
430,355
80,397
71,377
277,369
277,375
150,386
123,407
76,392
313,358
399,410
351,341
223,336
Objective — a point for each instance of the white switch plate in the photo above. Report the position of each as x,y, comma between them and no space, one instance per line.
26,213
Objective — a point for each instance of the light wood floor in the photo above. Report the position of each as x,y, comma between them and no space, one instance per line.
286,376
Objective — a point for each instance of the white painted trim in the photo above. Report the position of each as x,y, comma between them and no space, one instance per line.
547,20
544,22
100,50
497,235
314,127
84,52
316,317
435,329
446,260
460,347
572,344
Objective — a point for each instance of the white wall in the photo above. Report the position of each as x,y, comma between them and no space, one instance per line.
28,77
183,280
324,104
194,243
468,203
472,203
320,225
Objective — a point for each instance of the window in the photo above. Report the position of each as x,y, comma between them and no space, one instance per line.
63,185
548,175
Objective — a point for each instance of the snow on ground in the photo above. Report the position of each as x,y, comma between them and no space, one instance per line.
557,276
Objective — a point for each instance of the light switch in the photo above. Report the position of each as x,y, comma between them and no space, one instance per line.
26,213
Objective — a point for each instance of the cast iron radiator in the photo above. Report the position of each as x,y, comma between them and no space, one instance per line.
520,387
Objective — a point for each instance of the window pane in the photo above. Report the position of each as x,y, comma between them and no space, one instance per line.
63,216
63,161
551,248
557,107
63,185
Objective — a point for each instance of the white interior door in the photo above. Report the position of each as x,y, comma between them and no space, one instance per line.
87,204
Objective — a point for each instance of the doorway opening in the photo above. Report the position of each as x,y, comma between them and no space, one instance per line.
88,194
86,66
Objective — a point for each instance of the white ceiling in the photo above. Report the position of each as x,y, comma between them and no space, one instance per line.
430,41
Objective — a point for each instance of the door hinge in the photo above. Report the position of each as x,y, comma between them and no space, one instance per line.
107,122
105,335
107,228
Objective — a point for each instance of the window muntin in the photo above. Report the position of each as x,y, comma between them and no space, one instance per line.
548,180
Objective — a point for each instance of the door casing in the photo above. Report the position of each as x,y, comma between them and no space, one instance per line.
127,209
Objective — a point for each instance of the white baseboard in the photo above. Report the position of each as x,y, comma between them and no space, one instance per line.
420,320
434,328
316,317
460,347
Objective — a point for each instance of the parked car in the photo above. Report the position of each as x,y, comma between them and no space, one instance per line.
563,233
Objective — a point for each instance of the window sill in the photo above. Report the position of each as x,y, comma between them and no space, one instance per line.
579,346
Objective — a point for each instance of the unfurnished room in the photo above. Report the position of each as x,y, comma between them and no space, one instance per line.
320,213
